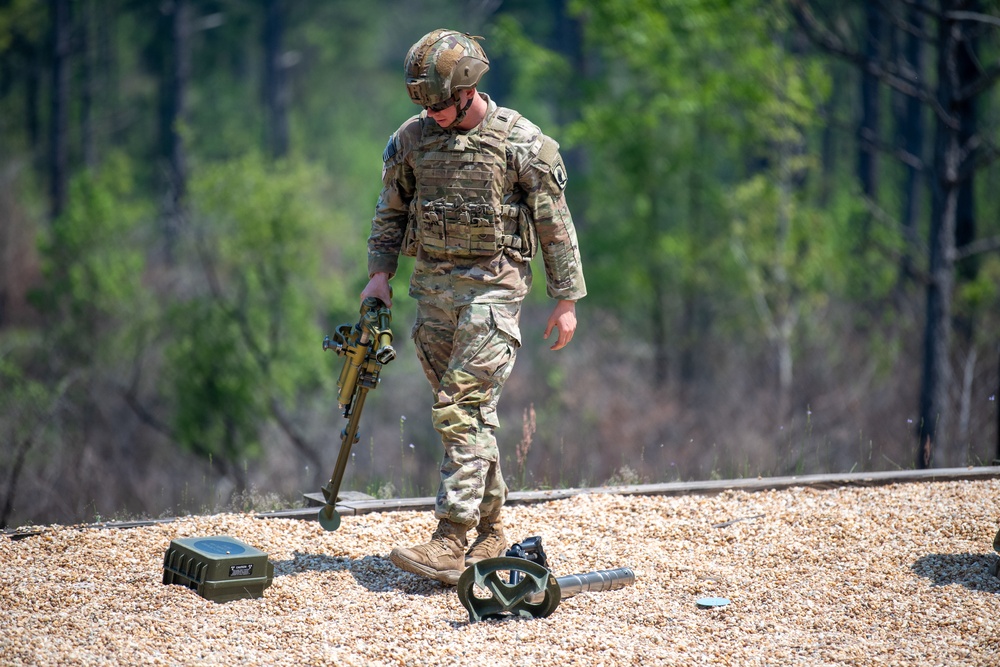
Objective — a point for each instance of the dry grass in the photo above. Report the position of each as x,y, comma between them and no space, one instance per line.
893,575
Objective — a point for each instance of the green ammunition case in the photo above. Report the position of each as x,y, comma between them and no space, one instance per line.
218,568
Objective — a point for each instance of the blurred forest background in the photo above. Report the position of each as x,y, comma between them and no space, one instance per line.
786,214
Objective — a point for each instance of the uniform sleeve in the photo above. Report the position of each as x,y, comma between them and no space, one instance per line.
389,223
542,177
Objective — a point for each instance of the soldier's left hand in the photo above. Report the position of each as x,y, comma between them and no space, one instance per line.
563,318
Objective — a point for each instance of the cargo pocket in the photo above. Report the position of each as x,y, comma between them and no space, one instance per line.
491,355
505,317
432,367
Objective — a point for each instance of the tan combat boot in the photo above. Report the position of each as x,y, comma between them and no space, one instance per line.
490,543
443,558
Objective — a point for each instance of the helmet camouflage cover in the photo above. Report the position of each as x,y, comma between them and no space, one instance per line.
442,63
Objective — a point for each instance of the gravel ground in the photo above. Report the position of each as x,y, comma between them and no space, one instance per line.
891,575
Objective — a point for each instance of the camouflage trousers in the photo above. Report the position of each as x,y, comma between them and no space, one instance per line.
467,354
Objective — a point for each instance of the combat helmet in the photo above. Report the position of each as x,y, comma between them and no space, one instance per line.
442,63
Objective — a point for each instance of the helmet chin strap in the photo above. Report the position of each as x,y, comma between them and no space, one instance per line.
460,112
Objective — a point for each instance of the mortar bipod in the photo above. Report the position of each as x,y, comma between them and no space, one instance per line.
528,590
366,347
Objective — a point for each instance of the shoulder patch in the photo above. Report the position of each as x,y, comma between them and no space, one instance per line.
391,148
559,173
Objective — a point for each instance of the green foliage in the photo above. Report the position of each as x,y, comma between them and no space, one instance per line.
356,96
538,72
21,21
19,18
220,392
248,336
688,90
92,261
981,297
701,132
220,124
785,247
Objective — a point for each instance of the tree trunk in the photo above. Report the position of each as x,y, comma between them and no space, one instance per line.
21,452
690,331
59,121
658,307
786,308
952,224
106,35
966,71
275,80
868,129
658,316
88,46
32,93
912,131
933,425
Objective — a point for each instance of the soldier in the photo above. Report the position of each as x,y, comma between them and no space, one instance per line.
472,190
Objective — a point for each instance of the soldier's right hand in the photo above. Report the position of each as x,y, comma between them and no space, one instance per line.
378,287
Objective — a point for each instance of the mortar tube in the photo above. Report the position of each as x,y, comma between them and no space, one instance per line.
590,582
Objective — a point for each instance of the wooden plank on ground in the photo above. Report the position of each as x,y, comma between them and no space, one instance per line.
355,503
820,481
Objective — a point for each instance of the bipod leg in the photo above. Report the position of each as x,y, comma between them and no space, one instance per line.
329,517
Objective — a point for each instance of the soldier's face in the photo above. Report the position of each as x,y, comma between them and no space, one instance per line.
444,117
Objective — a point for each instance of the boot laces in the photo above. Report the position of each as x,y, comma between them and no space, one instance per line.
486,542
437,546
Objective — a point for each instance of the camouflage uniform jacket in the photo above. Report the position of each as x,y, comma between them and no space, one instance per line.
535,179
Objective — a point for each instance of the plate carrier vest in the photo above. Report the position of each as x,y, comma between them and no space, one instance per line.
461,206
